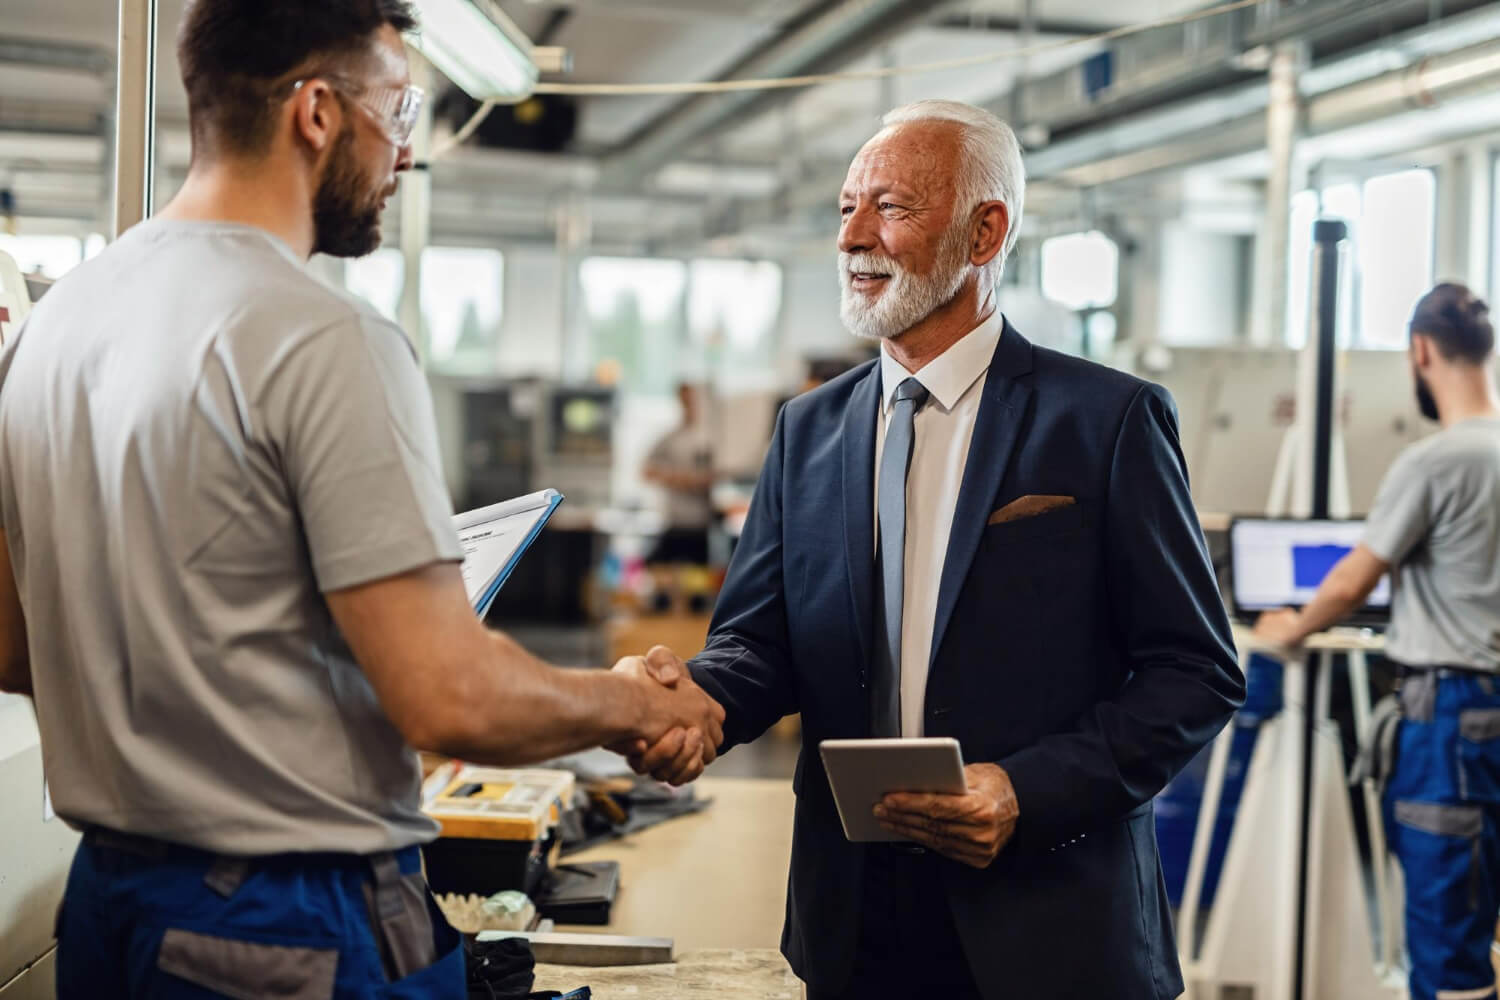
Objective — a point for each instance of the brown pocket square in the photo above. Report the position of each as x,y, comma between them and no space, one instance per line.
1030,506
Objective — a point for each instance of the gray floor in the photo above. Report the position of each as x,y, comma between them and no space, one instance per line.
771,756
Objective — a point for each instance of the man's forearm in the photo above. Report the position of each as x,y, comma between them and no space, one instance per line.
1343,592
1326,610
520,710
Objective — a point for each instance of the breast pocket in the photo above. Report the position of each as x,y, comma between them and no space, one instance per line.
1060,523
1041,557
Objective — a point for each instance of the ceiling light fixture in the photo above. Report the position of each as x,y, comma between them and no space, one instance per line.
477,47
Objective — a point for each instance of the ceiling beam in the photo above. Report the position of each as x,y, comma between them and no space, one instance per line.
674,13
1016,25
838,35
16,51
555,23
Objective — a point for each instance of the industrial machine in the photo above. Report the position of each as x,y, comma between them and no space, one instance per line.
509,437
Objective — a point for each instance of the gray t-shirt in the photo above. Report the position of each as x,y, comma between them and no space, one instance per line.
686,450
1437,522
197,439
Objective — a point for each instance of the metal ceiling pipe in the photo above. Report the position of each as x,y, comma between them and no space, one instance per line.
16,51
844,32
1203,131
1464,73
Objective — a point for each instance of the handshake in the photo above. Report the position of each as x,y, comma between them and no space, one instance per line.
682,728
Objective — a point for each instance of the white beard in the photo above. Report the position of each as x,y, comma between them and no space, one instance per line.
908,298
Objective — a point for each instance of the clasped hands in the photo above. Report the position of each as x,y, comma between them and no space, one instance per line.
683,727
971,828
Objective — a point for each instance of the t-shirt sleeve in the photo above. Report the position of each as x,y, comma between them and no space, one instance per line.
1403,511
352,418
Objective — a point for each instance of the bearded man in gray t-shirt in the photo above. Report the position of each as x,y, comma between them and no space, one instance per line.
1436,529
228,570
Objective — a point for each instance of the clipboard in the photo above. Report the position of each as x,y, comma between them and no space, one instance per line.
494,538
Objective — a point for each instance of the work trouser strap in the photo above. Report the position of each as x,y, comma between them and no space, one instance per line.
401,917
1376,759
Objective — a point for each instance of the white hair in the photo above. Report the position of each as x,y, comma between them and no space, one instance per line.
990,168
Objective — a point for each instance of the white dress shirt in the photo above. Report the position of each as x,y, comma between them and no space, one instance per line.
940,451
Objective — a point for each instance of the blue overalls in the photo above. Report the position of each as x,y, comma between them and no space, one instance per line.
1442,811
146,920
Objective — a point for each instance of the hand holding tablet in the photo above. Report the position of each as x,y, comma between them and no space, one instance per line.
862,772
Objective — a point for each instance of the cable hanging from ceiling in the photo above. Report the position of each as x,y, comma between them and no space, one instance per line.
818,79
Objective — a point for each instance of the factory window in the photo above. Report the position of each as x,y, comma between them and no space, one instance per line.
1081,270
45,255
733,306
1395,254
1337,201
462,299
377,279
1494,289
1299,266
633,317
1391,222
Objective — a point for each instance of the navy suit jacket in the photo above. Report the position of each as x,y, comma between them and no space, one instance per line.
1085,650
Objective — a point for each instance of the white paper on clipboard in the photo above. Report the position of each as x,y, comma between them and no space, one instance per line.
494,538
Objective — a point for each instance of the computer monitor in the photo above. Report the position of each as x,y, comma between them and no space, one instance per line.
583,421
1276,563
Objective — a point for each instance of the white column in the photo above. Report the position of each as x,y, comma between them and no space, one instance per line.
1451,235
135,114
1283,125
416,212
1480,216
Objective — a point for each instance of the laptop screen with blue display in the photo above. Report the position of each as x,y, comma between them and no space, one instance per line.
1280,563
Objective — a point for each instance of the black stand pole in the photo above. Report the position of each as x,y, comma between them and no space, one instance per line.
1327,235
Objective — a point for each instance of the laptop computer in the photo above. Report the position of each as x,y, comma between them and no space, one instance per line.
1279,563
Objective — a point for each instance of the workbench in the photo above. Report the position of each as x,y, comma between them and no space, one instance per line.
715,882
715,974
712,880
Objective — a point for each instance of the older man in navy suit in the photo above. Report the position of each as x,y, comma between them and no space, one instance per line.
977,538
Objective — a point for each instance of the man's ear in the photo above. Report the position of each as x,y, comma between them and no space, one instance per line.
317,116
1421,350
992,226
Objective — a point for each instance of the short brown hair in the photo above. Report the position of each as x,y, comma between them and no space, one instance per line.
233,53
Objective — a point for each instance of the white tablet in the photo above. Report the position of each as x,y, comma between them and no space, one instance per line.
862,772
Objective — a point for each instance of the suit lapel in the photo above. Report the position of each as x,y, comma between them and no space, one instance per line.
860,417
997,429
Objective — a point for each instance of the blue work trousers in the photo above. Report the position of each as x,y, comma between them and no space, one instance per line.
1442,807
146,920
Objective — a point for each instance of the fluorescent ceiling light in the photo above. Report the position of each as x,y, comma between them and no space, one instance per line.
470,47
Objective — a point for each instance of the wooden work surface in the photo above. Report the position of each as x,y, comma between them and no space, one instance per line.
711,881
700,975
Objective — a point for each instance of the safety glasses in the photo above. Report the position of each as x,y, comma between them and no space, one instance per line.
394,110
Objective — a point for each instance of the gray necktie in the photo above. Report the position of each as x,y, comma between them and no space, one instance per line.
885,684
